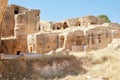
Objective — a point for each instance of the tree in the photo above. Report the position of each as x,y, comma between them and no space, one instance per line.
104,17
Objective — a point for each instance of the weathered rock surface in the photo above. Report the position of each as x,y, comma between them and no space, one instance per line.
43,42
29,34
45,26
18,23
3,5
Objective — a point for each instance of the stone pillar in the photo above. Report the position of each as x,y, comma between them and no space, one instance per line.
3,5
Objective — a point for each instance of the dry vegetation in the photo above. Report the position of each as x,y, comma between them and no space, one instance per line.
45,67
101,63
95,64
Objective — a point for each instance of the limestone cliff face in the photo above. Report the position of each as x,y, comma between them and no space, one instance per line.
3,5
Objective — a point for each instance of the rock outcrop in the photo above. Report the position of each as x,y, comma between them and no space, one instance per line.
23,22
3,5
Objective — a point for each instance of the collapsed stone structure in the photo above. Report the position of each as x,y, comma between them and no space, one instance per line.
84,21
28,34
74,39
80,21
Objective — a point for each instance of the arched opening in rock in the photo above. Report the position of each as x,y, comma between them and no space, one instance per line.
48,47
18,52
93,41
78,24
65,25
16,10
31,49
61,41
53,28
39,28
58,28
99,39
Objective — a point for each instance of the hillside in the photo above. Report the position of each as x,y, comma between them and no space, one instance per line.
104,63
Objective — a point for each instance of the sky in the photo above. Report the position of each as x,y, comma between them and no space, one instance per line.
58,10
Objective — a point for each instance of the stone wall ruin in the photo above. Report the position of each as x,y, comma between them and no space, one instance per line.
23,22
28,34
43,42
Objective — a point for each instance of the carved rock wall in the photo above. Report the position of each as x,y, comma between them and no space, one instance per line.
116,34
84,21
74,39
72,22
9,22
57,26
13,45
114,28
43,42
24,22
70,39
77,34
98,38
